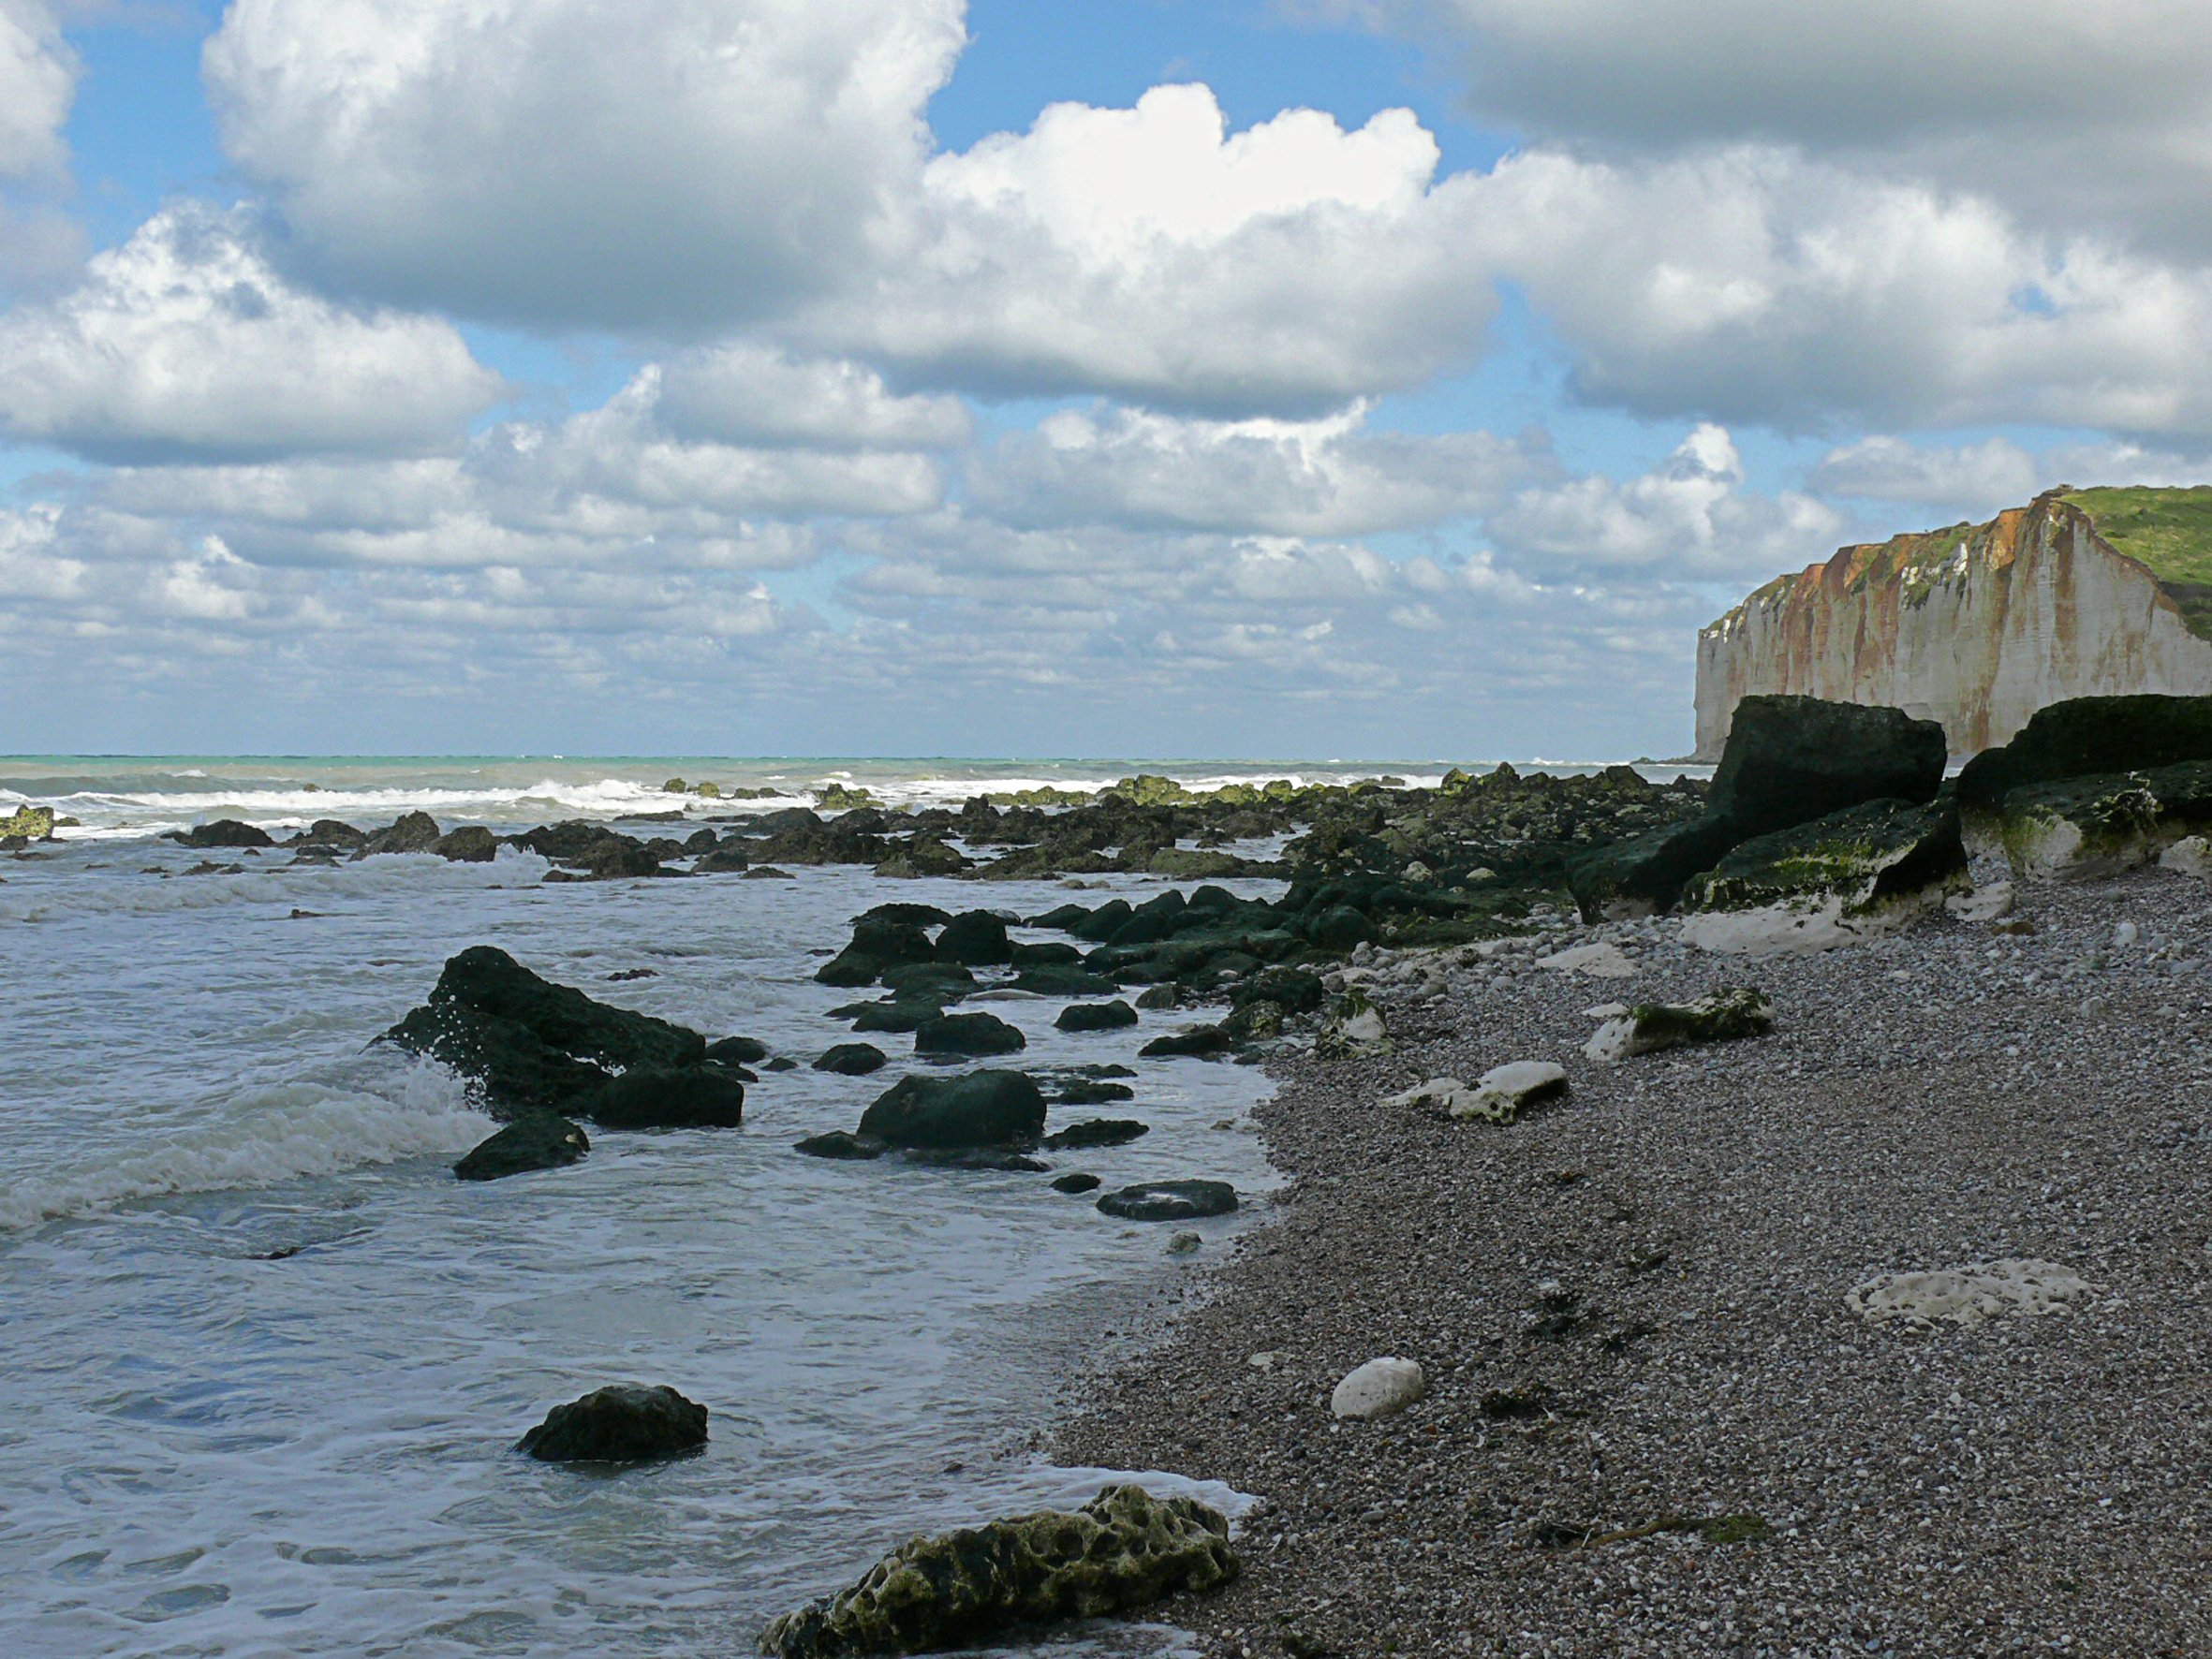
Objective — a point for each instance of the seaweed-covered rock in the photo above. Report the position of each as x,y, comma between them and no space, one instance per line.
1087,1017
625,1423
2103,822
472,843
968,1033
1096,1132
726,857
1170,1200
1122,1550
1878,859
1354,1026
851,1060
1725,1016
924,856
539,1141
528,1044
977,1109
36,823
221,833
667,1097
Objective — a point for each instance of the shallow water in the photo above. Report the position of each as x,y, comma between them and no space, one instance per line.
213,1453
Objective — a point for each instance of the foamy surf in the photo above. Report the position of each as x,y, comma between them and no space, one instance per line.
263,1139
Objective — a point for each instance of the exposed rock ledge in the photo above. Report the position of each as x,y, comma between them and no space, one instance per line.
2084,592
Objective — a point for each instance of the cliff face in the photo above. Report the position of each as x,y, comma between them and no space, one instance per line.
2089,593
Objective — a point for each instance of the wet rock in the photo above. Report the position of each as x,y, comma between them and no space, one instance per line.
1089,1017
1076,1183
975,938
1200,1042
977,1109
975,1157
1379,1388
413,832
528,1044
851,1060
1725,1016
1355,1026
1170,1200
968,1034
1054,979
28,824
1123,1550
1089,1092
472,843
737,1050
1343,927
1160,996
1097,1132
627,1423
539,1141
222,833
924,856
332,833
667,1097
728,859
842,1144
936,982
888,1017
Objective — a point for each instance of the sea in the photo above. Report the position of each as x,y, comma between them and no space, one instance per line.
266,1361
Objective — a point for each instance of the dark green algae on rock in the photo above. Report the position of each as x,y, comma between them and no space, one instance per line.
1122,1550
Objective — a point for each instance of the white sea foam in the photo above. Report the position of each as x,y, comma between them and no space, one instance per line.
265,1137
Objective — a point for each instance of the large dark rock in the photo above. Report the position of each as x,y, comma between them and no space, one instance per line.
539,1141
1789,760
725,860
889,940
1882,858
968,1033
331,832
472,843
528,1044
627,1423
979,1109
2103,822
222,833
414,833
851,1060
1122,1550
1083,1017
975,938
2086,735
937,982
667,1097
1170,1200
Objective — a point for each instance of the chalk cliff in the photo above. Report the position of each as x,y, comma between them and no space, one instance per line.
2083,592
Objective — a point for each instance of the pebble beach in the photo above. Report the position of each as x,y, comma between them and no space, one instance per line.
1653,1422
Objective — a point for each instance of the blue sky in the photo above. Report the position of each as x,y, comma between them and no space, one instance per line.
1217,377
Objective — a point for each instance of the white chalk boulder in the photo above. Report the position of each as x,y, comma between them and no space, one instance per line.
1379,1388
1437,1092
1968,1295
2191,856
1500,1092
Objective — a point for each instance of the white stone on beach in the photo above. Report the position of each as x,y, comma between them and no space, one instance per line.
1379,1388
1500,1092
1968,1295
2125,934
1436,1092
1986,904
1606,1010
2191,856
1600,962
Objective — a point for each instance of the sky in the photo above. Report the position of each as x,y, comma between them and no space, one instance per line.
1280,379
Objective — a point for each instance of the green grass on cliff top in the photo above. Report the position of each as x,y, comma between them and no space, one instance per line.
2169,530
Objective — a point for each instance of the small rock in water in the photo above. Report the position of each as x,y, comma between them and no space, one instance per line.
1076,1183
1200,1042
1086,1017
1184,1243
842,1144
1379,1388
625,1423
1095,1132
968,1033
1170,1200
851,1060
539,1141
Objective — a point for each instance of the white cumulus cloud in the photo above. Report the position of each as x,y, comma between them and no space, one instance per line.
659,163
184,341
38,84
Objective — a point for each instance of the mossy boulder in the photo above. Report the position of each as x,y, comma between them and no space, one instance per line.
977,1108
1089,1017
472,843
1123,1550
2089,735
36,823
1721,1017
1885,855
2103,822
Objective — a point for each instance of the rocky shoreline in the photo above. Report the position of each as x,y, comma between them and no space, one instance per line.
1652,1422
